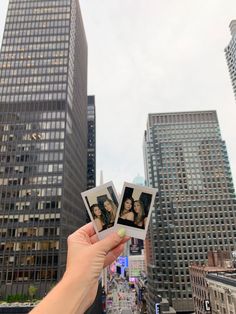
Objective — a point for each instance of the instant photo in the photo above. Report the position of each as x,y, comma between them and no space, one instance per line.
102,204
136,203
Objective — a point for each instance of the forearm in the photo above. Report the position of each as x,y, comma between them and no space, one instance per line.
67,297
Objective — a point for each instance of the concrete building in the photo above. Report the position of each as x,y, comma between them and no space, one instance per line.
230,53
222,290
43,141
186,159
218,261
136,265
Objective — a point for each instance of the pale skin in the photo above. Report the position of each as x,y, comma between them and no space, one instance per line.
86,258
126,212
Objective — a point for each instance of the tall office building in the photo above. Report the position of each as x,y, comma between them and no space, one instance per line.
43,140
186,158
91,170
230,53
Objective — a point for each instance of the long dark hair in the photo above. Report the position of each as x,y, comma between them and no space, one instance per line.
123,205
93,214
139,217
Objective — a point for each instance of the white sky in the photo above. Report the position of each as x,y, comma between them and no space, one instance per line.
154,56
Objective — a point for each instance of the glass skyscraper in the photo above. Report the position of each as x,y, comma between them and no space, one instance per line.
43,140
186,159
230,53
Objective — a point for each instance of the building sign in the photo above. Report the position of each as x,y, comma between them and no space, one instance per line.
123,261
207,305
157,308
136,246
121,264
135,249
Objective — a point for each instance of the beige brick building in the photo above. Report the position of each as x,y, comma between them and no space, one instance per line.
218,262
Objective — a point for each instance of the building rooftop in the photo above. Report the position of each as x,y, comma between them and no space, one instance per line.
232,27
228,278
212,268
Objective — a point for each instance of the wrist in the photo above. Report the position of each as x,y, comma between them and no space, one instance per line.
67,297
79,291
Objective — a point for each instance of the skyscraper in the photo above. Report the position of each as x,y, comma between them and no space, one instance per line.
43,140
230,53
91,180
186,158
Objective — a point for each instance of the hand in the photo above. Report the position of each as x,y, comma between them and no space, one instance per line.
86,258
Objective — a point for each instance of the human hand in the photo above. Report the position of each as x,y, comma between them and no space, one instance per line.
87,256
85,260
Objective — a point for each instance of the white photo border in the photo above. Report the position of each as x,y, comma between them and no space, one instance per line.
136,232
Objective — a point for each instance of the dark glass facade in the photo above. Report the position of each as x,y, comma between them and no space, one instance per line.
43,140
91,179
186,159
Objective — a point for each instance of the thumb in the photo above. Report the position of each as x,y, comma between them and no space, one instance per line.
111,241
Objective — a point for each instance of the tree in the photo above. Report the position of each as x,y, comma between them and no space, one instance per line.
32,291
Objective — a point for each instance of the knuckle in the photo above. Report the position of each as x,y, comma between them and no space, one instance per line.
69,238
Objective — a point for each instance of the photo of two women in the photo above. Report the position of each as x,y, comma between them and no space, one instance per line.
104,210
134,208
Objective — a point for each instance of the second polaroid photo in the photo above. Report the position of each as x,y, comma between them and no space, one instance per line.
134,212
102,204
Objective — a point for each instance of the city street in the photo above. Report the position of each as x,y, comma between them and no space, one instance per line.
121,299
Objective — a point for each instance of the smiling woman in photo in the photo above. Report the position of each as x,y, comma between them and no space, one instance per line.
111,210
126,212
139,214
98,217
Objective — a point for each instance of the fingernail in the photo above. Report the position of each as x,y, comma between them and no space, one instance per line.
121,232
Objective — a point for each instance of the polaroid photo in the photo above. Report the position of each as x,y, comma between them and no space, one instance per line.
102,204
134,211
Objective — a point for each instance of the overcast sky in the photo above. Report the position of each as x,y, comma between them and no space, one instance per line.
149,56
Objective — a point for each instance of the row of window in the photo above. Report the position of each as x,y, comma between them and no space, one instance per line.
205,144
31,181
29,260
29,206
39,157
7,129
185,117
28,232
52,71
15,89
32,192
30,76
36,25
34,55
32,170
35,47
35,39
15,4
34,11
33,97
27,275
186,137
31,136
33,63
36,115
43,17
29,245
